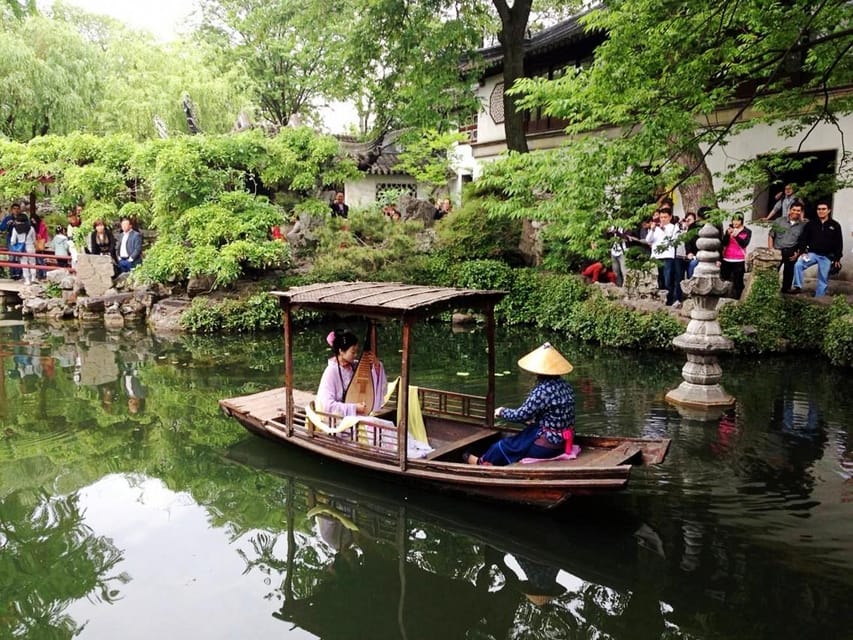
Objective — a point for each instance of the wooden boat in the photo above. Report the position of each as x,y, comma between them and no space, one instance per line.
454,422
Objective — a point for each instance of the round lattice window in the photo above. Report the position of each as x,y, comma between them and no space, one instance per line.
496,103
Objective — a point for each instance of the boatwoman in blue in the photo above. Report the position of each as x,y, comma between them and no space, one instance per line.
548,412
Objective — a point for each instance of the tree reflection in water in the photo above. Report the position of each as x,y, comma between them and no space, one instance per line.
751,513
361,567
48,559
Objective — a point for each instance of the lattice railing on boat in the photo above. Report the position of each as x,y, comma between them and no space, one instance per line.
377,435
460,406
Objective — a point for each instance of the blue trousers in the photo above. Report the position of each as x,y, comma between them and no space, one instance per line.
514,448
823,264
668,274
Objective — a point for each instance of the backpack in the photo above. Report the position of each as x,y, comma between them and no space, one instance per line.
22,227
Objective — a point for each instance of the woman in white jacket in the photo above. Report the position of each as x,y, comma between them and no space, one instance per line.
24,239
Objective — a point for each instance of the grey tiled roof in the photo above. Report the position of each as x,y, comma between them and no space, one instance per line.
559,35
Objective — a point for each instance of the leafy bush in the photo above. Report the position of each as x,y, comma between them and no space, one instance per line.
553,298
607,323
221,240
767,322
484,274
136,211
757,324
469,233
838,340
367,246
432,268
258,312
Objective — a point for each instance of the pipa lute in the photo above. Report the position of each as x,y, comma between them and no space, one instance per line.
361,388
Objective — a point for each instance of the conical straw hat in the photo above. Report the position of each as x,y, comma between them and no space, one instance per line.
545,361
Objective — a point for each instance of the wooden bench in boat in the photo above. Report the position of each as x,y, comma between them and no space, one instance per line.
612,457
453,445
599,457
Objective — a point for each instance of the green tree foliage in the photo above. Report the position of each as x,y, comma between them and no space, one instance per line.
146,80
67,562
143,79
406,73
660,81
428,156
291,53
49,81
75,71
220,239
206,200
210,198
17,8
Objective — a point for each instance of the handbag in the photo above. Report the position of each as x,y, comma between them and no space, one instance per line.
41,243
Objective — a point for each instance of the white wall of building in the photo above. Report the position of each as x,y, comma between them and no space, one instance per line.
487,129
762,139
746,145
362,192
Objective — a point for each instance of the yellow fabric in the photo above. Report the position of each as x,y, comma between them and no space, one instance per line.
417,429
334,513
346,422
392,387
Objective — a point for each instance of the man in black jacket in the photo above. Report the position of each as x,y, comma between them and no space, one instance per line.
822,244
338,207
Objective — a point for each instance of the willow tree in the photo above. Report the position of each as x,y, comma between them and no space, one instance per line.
673,82
18,8
49,80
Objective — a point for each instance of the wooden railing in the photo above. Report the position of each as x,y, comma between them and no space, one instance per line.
9,260
459,406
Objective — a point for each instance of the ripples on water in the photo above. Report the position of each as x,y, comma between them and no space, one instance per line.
121,484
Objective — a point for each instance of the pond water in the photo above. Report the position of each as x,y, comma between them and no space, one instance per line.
130,507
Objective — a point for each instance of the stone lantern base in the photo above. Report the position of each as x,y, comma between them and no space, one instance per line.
700,401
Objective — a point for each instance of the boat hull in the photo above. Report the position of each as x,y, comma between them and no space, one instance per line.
543,485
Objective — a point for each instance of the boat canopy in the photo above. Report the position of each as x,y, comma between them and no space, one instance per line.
386,299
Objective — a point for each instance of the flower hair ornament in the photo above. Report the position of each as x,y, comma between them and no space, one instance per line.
330,339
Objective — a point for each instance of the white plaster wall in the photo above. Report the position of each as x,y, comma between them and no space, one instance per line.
764,138
487,129
362,192
747,144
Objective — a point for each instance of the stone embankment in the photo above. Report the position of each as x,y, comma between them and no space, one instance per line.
92,296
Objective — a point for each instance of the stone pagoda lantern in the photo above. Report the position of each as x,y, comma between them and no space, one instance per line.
700,395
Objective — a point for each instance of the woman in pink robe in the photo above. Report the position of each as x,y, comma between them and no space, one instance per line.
339,373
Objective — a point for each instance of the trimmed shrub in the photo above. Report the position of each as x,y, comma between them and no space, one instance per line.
757,324
470,233
610,324
258,312
838,341
767,322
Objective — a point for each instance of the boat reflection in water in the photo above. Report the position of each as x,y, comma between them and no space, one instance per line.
367,559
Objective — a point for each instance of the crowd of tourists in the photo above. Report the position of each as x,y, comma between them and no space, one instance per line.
29,243
672,244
